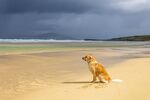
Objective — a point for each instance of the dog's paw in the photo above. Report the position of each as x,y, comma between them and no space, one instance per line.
93,81
102,81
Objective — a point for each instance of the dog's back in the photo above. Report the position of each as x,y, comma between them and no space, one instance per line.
103,72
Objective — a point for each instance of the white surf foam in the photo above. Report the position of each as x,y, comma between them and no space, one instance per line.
37,40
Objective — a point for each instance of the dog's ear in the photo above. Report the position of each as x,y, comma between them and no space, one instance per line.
90,57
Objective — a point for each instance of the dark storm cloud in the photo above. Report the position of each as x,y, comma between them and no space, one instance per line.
42,6
55,6
78,18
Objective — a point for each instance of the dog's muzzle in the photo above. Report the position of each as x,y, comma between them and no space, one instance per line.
83,58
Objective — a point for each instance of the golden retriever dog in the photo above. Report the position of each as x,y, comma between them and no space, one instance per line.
96,69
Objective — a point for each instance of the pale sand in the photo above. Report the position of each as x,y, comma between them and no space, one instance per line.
64,76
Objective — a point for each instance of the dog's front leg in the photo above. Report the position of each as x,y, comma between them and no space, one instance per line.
94,78
99,77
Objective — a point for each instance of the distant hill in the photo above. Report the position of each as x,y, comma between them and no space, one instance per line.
36,36
132,38
128,38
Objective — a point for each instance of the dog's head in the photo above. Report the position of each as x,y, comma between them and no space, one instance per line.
88,58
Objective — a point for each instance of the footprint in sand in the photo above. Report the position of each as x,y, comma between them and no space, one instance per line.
87,85
101,85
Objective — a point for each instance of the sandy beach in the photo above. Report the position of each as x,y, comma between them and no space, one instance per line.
42,74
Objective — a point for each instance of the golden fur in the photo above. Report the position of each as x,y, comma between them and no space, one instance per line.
96,69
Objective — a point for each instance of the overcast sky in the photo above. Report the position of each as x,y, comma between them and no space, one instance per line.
78,18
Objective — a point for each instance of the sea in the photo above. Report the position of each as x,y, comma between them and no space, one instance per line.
80,42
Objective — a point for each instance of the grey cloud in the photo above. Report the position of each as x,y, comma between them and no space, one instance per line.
105,26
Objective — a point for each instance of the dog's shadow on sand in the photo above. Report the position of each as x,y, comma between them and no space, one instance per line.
87,84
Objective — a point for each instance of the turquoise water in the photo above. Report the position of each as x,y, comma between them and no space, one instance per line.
7,47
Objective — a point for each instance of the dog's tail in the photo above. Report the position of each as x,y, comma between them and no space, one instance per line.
117,80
